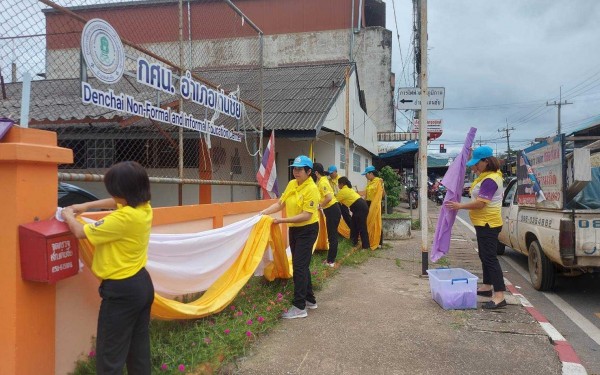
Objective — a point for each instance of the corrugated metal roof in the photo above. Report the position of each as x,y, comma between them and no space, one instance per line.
296,97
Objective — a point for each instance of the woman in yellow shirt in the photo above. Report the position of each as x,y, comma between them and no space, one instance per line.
301,201
374,191
331,210
358,206
121,241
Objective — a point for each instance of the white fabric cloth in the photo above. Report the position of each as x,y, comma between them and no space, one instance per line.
192,262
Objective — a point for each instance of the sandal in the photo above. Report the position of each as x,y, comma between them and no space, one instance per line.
491,305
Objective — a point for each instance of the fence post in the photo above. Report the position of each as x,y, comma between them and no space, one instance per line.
29,161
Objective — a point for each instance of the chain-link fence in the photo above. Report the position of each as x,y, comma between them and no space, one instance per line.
210,42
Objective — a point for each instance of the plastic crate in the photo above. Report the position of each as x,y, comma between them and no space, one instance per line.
453,288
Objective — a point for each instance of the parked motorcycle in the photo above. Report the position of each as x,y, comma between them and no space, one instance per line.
440,194
413,197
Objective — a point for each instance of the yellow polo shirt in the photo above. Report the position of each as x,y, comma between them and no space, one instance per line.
298,199
334,183
347,196
372,187
324,189
121,241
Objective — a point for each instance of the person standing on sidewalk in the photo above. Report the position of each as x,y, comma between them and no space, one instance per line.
331,210
333,181
358,206
301,200
121,241
374,192
484,211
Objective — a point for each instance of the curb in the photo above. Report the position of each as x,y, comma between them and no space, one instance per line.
571,364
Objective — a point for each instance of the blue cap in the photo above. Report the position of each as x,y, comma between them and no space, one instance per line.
302,161
331,169
479,153
368,170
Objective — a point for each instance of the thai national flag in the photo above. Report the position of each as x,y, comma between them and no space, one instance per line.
267,172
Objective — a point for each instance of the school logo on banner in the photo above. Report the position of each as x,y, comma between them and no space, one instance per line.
103,51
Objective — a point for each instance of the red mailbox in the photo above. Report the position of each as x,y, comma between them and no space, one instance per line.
49,251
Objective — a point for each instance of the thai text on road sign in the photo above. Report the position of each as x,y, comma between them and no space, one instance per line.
410,98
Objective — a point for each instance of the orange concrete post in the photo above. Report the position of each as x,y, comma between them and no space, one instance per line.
28,191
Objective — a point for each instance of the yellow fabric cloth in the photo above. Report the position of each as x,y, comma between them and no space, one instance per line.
344,229
322,239
298,199
491,213
226,288
121,239
374,216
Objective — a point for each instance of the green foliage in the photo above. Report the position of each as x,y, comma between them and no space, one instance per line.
210,345
393,186
415,224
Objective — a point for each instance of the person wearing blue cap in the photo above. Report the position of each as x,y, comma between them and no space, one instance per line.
484,211
301,201
374,192
333,178
351,199
331,210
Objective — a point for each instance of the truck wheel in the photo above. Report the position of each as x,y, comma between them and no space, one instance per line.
500,249
541,270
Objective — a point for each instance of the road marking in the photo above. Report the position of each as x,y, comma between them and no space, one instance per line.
586,326
552,332
579,320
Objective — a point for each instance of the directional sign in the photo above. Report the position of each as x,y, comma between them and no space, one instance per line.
410,98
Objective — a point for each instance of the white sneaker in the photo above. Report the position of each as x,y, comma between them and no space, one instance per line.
294,313
310,305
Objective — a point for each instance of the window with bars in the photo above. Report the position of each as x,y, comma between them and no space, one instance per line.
342,158
355,162
100,153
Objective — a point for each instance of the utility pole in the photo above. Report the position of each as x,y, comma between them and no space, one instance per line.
422,70
559,104
507,129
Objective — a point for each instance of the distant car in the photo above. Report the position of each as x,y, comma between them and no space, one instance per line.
466,188
70,194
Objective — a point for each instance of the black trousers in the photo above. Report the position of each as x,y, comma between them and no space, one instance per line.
346,215
333,216
302,240
123,335
487,241
360,211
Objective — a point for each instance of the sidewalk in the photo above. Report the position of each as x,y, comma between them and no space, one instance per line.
379,318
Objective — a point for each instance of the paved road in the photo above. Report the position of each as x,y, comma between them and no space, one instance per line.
573,307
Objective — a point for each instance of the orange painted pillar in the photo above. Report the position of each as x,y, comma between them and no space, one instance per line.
28,191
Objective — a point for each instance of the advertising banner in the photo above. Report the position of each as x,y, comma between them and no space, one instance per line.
540,174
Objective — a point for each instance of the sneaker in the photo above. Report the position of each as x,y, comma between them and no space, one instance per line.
311,306
294,313
326,263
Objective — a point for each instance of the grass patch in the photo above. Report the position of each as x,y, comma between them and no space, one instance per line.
398,262
204,346
396,215
443,262
415,224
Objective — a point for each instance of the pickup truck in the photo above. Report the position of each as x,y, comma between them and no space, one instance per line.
555,240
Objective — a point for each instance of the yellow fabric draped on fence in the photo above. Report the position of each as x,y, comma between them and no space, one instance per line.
344,229
227,286
322,240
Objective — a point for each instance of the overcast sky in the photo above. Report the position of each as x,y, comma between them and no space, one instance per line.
502,61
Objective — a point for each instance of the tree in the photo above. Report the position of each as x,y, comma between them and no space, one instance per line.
392,185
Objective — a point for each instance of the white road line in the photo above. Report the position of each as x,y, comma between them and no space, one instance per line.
472,228
579,320
573,369
552,332
582,322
